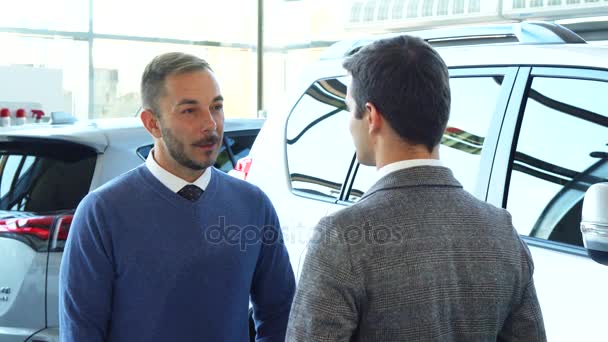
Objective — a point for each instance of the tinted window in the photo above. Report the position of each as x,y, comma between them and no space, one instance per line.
42,176
561,150
319,147
9,165
143,151
473,105
239,146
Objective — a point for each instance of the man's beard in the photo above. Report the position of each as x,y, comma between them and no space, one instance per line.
177,151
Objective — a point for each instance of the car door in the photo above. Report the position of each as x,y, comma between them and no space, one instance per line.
326,174
552,147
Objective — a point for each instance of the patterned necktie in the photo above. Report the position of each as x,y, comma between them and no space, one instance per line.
190,192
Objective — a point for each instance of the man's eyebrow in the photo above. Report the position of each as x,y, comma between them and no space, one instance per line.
195,102
186,102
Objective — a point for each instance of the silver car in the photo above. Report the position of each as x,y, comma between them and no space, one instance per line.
45,170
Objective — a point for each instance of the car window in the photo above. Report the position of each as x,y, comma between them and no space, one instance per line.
239,147
474,101
9,165
561,150
143,151
319,147
34,181
223,161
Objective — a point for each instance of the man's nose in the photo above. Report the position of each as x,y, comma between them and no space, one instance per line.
207,121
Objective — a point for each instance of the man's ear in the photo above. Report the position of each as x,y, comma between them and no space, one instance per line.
374,118
151,123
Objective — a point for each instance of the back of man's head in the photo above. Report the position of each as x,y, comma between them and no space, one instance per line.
408,82
157,71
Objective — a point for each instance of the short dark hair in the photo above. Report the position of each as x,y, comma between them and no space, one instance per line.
408,82
156,72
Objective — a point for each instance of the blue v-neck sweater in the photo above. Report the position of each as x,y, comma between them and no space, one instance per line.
143,264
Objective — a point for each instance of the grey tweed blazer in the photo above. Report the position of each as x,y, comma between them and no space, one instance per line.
417,259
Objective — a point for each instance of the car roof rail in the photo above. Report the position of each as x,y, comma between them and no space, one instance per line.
527,32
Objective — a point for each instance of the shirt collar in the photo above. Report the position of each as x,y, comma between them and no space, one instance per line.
170,180
404,164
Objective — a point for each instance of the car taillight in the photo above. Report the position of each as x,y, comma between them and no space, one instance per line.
64,227
39,227
36,231
243,165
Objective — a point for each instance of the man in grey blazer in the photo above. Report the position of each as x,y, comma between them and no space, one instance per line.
417,258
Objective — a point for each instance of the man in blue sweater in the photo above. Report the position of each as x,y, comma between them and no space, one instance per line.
175,250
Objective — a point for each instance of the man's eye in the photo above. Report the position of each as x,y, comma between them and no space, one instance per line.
218,107
188,111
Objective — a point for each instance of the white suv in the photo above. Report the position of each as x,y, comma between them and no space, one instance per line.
528,131
45,170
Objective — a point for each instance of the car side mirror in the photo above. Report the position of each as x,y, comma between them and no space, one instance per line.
594,222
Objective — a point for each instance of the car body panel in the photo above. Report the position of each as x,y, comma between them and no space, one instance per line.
569,284
23,273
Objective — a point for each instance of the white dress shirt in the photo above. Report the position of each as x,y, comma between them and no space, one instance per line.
170,180
404,164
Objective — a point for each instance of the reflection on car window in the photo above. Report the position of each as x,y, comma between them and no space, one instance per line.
319,147
239,146
43,184
223,161
561,151
473,105
9,169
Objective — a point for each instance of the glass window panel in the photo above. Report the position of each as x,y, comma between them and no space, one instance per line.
9,165
560,152
27,163
117,79
473,105
319,147
463,140
369,10
427,8
412,9
236,70
355,12
383,9
226,21
442,7
398,9
59,15
44,184
282,76
51,71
